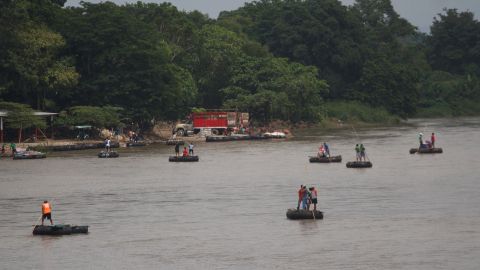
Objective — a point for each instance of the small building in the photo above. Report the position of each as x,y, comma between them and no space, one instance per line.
4,114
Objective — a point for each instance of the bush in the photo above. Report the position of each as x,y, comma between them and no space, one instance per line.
353,111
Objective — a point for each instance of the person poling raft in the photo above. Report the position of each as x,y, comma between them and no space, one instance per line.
186,157
361,158
55,229
428,147
108,153
323,155
305,199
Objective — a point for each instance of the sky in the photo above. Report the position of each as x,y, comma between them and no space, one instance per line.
419,12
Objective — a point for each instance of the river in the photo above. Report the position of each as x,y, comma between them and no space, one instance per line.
228,210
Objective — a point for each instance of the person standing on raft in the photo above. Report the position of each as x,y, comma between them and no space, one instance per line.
300,197
314,194
107,145
362,152
432,140
177,149
327,149
420,138
357,151
47,212
190,149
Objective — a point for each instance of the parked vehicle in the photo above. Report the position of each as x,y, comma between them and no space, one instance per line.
218,122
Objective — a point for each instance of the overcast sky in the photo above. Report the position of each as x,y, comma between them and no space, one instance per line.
418,12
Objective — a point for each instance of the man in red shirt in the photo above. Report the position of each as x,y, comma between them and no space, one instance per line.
432,139
301,193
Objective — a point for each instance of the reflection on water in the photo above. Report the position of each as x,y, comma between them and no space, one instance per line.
228,210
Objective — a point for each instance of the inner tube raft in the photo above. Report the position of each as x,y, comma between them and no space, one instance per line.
111,154
359,164
29,155
304,214
135,144
183,159
174,142
325,159
59,229
426,150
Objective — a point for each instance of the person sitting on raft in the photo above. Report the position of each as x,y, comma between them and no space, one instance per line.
47,212
185,152
321,151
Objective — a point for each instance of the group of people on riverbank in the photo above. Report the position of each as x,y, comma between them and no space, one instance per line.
12,146
307,197
427,144
185,152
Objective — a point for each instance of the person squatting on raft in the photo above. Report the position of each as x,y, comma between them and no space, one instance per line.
185,152
47,212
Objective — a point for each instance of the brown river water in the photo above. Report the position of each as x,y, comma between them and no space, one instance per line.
228,210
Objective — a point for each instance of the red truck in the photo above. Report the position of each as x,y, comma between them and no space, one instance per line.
218,122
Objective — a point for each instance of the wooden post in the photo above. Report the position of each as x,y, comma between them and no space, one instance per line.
51,126
1,129
20,134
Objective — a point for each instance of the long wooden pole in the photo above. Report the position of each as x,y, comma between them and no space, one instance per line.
1,129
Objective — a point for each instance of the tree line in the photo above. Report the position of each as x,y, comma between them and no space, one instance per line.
276,59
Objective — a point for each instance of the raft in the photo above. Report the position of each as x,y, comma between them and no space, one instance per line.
304,214
183,159
426,150
29,155
215,138
326,159
59,229
135,144
174,142
111,154
359,164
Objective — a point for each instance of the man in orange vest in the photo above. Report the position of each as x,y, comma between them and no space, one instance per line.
46,212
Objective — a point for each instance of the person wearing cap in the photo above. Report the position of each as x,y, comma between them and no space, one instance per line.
47,212
420,138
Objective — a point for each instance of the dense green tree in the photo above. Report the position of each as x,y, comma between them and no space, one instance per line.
454,44
99,117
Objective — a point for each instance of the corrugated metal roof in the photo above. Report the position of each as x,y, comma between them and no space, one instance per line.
5,113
